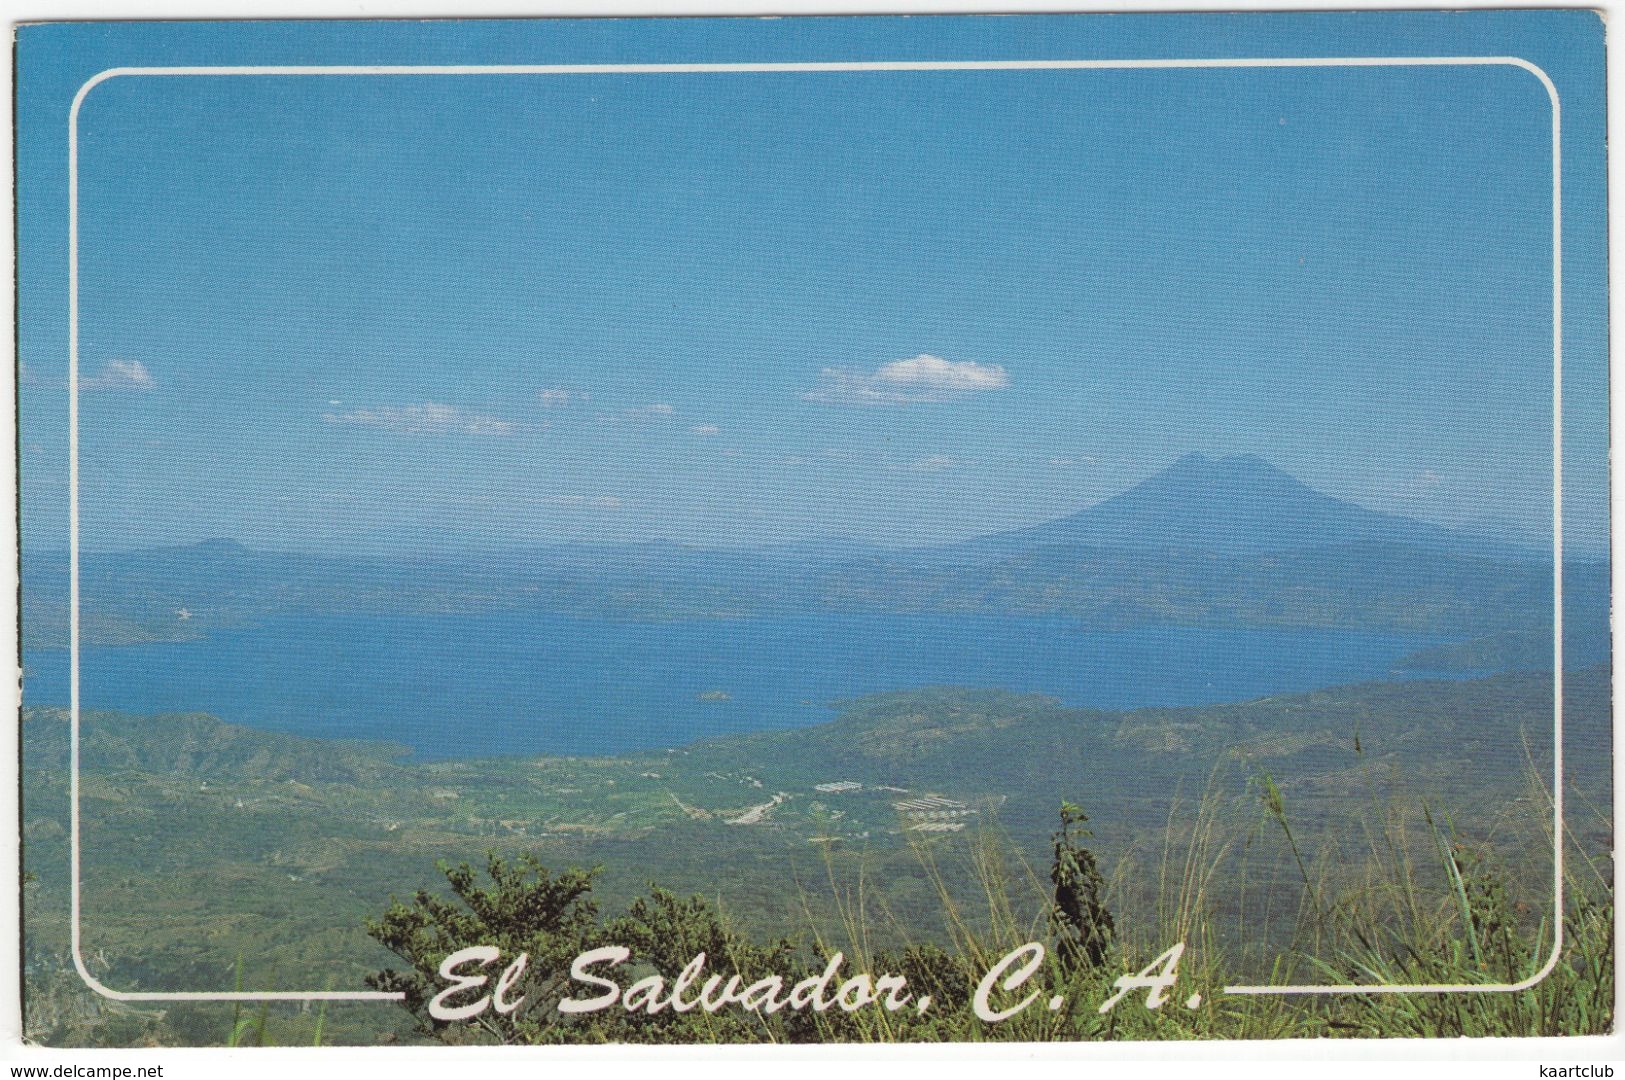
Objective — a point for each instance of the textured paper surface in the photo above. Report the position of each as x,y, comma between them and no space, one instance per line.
815,530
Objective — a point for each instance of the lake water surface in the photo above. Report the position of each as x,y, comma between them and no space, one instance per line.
525,683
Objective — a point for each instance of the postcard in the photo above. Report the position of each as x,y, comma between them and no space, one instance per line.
815,530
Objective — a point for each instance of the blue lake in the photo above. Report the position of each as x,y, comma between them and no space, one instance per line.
523,683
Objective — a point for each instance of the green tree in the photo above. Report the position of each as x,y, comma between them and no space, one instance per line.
1078,917
525,909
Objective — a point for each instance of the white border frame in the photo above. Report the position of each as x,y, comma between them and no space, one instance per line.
980,65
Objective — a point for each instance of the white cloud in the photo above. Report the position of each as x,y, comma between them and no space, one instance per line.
555,398
932,463
119,375
919,379
429,418
933,372
640,412
706,430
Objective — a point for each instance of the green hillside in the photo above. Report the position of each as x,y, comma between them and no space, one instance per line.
215,854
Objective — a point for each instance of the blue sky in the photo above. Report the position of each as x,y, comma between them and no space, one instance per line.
428,312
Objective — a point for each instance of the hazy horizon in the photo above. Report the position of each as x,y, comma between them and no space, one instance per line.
1469,531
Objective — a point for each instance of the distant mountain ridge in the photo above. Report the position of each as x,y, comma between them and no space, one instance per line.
1236,503
1233,505
1228,541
